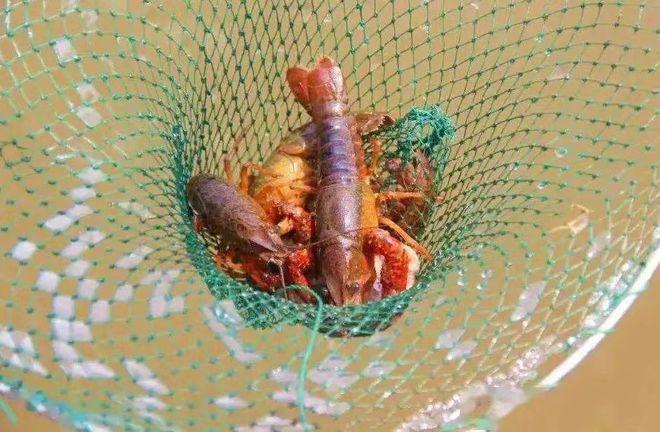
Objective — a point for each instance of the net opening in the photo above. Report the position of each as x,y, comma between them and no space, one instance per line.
423,129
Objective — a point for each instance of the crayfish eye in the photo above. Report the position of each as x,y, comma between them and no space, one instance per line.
355,286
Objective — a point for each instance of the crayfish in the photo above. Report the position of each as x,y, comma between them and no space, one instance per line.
308,215
358,260
248,243
418,174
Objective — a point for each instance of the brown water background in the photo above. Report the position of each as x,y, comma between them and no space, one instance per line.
617,388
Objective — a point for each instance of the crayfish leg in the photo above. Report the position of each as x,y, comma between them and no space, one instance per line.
396,268
247,171
368,122
257,271
304,188
227,167
376,152
296,266
389,223
295,219
225,261
399,196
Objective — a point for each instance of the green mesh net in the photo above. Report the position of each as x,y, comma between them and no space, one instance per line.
427,129
539,119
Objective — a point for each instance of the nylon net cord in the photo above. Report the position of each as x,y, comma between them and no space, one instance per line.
541,121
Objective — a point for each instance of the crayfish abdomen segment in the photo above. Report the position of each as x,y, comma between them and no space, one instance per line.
336,156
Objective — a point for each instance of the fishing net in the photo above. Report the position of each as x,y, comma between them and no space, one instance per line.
539,119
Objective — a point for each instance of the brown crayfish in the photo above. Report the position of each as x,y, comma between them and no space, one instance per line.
248,243
358,260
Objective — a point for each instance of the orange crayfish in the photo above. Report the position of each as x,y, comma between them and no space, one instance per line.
359,262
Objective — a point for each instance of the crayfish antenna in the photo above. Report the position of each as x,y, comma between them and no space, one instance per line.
282,275
280,267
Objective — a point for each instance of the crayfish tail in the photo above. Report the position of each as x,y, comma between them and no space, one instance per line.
319,90
296,77
325,83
